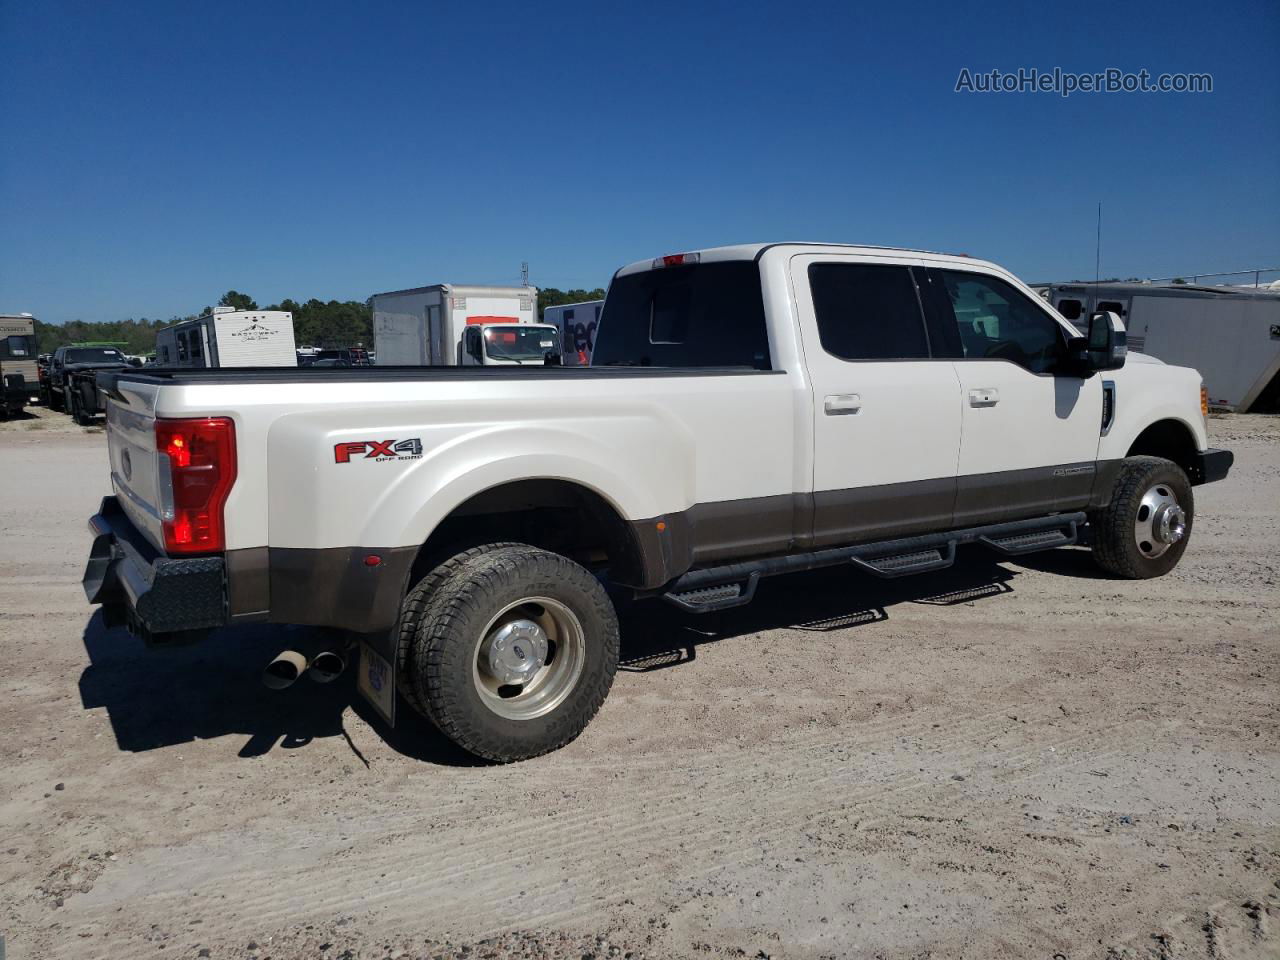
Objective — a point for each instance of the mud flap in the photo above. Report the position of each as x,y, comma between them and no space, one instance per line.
377,682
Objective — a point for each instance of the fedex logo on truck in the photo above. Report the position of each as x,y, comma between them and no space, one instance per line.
383,451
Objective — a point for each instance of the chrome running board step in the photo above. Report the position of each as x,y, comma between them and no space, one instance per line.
905,564
721,597
717,588
1019,543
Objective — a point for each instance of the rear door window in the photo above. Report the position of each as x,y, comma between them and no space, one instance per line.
868,312
692,315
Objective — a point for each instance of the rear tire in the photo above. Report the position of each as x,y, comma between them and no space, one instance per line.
514,651
1144,530
411,613
55,401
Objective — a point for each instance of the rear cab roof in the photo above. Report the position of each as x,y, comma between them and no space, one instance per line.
774,257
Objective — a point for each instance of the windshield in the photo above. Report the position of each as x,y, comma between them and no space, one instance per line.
519,343
93,355
696,315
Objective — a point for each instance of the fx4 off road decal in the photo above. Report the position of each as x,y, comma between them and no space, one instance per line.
381,450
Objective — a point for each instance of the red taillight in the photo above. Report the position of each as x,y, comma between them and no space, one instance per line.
197,470
676,260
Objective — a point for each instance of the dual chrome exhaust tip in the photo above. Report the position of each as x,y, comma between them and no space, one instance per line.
290,665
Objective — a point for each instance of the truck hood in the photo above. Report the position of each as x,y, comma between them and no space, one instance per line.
1132,357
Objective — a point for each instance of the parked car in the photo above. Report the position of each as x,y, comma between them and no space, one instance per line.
73,385
749,411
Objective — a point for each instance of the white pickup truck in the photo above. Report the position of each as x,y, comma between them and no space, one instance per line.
750,410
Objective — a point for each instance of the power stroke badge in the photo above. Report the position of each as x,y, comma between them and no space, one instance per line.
383,451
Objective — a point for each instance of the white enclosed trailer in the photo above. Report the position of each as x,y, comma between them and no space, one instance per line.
1231,335
229,338
426,326
577,323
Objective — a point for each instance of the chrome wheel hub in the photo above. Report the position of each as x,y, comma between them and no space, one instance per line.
1161,521
515,652
529,658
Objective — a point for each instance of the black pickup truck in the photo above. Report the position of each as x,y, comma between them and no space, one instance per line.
72,380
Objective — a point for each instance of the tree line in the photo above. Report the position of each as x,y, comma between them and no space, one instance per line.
319,323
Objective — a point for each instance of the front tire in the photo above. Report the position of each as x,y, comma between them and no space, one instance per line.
1144,530
80,410
514,651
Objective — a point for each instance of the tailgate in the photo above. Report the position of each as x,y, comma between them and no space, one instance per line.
131,445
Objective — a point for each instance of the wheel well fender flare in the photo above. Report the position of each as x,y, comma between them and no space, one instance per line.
1170,438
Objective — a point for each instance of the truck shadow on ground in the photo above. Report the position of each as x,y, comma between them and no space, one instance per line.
169,696
164,697
657,636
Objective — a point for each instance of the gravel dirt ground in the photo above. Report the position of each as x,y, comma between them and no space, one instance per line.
1008,760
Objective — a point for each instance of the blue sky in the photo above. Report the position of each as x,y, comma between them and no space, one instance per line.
157,154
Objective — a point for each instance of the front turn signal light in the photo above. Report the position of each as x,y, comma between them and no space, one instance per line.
1204,401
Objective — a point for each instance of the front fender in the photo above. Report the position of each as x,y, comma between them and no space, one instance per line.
1147,393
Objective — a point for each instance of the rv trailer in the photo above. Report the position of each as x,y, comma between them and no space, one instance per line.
19,377
229,338
1230,334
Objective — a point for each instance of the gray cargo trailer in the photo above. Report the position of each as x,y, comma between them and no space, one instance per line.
1231,335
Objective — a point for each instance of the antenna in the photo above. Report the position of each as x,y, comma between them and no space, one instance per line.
524,274
1097,259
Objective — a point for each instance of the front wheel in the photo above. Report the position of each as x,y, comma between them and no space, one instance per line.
81,410
514,651
1144,530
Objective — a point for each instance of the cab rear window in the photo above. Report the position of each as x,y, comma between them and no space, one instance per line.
694,315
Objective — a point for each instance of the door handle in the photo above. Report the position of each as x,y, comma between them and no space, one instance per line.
984,397
842,403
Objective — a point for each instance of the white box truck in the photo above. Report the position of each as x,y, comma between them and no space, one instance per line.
577,323
448,325
1231,335
229,338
